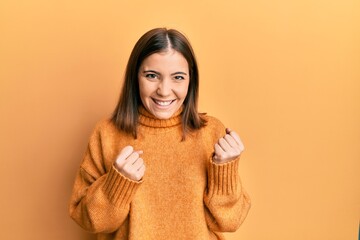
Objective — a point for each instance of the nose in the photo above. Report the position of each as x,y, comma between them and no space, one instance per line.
164,88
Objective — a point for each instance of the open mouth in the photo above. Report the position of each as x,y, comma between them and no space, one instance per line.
163,103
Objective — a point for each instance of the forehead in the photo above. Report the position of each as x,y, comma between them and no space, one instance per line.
167,61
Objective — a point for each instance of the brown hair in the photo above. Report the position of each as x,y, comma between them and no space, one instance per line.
125,115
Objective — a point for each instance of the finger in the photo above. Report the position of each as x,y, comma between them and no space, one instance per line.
139,151
227,130
218,150
128,170
132,158
132,170
224,145
137,165
132,167
238,140
140,173
231,141
142,169
235,136
125,152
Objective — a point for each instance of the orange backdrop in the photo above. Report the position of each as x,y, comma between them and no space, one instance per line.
284,74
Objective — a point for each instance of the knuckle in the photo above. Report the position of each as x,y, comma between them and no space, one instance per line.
120,159
130,147
127,149
124,168
127,168
132,176
135,155
138,176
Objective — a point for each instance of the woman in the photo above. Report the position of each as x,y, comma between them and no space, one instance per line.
158,169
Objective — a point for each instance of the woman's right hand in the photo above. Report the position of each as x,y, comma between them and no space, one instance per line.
129,163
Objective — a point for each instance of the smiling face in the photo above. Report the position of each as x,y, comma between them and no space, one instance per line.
163,83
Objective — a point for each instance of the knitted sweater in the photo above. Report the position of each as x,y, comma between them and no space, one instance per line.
183,194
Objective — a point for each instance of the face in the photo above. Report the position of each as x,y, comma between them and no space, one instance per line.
163,83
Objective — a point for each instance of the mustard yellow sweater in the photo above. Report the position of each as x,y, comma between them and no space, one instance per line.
183,194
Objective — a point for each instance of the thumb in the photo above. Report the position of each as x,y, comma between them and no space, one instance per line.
228,130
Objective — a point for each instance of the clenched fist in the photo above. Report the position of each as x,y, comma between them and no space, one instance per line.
228,147
129,163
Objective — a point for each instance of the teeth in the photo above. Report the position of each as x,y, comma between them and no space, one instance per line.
163,103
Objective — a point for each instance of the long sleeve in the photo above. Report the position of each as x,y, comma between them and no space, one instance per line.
178,173
101,199
226,202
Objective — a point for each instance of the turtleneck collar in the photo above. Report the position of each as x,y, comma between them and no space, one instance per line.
149,120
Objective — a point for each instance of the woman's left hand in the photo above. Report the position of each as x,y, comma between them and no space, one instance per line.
228,147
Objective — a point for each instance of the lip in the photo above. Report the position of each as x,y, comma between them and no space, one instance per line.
166,103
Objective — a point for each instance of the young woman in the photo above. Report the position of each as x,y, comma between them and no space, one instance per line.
158,169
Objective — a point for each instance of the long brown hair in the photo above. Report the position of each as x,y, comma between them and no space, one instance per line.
125,115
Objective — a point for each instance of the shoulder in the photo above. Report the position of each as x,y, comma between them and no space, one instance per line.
104,125
108,138
213,122
104,129
214,127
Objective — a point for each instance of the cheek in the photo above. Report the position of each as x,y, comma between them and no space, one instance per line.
183,91
144,89
186,90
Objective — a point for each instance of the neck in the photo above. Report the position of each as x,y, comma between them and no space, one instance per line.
149,120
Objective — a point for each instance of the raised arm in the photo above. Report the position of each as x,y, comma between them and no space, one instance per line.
101,198
227,203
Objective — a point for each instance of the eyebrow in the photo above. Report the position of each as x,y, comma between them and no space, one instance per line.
175,73
151,71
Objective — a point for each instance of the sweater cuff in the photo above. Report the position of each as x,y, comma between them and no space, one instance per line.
223,179
119,189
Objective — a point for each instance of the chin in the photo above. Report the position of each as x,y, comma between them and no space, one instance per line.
163,116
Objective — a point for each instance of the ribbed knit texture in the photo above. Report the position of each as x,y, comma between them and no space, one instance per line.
183,195
119,190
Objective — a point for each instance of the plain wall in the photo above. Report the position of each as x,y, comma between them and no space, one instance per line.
284,74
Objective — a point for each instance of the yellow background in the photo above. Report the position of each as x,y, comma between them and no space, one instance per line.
284,74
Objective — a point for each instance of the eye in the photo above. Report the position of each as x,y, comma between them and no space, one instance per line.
151,75
179,77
